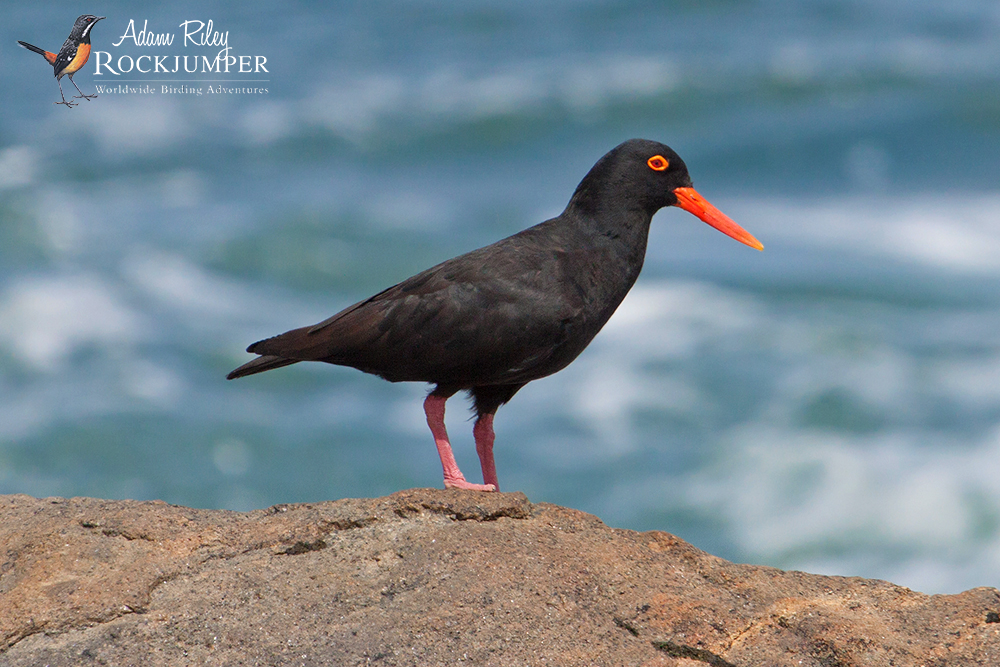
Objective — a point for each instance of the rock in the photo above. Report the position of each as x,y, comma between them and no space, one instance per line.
428,577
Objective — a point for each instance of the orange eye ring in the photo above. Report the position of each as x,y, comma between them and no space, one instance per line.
658,163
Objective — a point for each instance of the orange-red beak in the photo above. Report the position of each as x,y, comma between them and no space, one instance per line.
692,202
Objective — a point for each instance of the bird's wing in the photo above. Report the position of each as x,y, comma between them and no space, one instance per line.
65,56
491,314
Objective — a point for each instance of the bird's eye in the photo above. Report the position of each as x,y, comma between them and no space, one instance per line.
658,163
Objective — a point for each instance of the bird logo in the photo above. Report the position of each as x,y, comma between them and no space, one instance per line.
73,55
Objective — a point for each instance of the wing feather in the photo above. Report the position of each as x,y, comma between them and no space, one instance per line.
490,315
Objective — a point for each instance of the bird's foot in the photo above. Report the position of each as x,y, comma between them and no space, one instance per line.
84,96
468,486
69,104
453,477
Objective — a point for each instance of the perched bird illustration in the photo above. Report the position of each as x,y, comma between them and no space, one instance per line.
492,320
72,56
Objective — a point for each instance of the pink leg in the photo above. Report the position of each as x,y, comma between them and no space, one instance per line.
483,432
453,477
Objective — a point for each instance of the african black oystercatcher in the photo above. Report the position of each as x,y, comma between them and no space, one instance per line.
494,319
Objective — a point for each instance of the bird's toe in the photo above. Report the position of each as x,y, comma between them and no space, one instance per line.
468,486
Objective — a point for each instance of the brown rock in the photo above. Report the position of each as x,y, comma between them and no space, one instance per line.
427,577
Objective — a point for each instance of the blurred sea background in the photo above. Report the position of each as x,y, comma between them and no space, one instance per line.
831,404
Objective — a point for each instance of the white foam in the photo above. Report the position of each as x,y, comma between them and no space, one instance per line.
130,125
175,281
788,492
906,502
664,322
268,121
683,313
153,382
18,165
350,104
44,319
24,413
232,457
955,232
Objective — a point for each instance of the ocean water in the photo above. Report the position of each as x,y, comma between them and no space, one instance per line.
831,404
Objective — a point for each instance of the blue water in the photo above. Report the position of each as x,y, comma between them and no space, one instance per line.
831,404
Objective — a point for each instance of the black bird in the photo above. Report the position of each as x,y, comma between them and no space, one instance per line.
492,320
72,56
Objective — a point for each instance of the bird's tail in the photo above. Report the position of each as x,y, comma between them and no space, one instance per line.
259,365
48,55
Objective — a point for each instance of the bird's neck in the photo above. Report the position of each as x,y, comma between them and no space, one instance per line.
614,240
610,220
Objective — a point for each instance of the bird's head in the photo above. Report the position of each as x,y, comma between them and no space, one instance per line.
84,24
650,175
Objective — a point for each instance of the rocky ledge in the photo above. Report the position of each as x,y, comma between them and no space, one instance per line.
428,577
